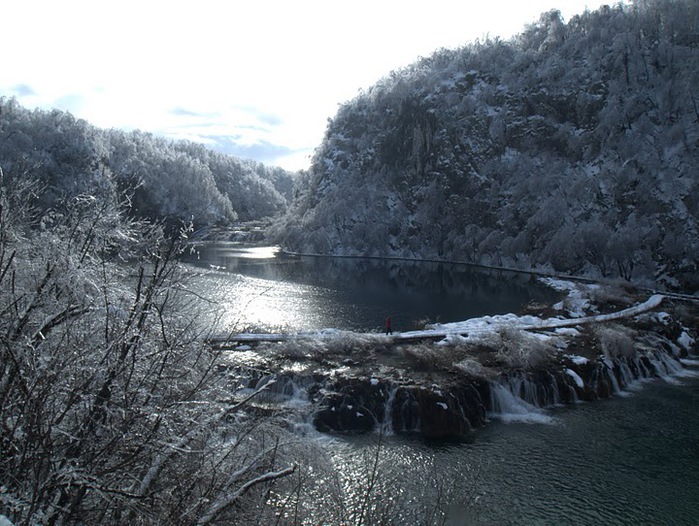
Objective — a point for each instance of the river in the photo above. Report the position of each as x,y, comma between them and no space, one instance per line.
629,460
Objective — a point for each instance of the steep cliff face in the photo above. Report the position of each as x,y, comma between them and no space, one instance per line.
571,147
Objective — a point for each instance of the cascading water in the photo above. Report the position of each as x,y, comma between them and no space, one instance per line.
386,427
280,389
508,407
336,403
555,393
627,377
520,398
609,364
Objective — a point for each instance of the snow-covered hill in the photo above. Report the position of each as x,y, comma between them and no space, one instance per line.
573,147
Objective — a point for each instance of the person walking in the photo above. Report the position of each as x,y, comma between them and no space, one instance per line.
389,329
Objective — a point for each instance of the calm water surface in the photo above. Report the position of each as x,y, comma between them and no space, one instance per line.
265,289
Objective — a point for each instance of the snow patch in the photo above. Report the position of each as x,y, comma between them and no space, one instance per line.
662,317
686,341
576,303
578,360
576,377
567,331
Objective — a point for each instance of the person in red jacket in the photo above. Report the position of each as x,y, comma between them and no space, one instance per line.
389,329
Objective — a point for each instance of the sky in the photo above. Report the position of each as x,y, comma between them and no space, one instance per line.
255,78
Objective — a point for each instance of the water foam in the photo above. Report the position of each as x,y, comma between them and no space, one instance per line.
509,408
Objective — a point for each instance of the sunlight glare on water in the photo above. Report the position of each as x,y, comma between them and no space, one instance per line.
265,304
257,252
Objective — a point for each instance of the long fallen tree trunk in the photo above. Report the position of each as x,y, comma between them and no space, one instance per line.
439,332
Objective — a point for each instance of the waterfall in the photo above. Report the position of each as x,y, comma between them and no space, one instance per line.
509,407
643,371
555,394
627,377
386,427
643,366
616,389
522,387
690,362
573,394
667,367
282,389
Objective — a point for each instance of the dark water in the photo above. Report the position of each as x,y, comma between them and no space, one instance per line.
626,461
278,291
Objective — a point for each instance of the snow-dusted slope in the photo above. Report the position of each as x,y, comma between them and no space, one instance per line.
573,147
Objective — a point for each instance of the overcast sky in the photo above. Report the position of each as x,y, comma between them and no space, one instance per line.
259,78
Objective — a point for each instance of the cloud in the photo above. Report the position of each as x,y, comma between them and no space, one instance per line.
263,151
184,112
71,102
268,118
236,144
247,132
23,90
181,112
249,119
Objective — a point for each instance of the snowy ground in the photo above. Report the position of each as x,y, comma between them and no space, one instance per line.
478,327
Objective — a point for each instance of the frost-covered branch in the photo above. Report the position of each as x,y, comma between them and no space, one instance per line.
226,501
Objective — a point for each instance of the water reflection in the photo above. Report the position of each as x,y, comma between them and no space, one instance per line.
271,288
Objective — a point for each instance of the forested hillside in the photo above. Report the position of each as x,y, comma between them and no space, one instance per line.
175,181
573,147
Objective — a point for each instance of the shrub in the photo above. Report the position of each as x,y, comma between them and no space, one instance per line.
109,400
520,349
616,341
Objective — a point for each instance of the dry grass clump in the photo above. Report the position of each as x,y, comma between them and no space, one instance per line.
615,340
323,346
472,367
612,296
520,349
420,357
427,357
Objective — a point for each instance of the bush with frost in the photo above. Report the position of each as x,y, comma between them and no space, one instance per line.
521,349
472,367
112,410
616,341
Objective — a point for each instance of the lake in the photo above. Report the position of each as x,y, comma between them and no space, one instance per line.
264,289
